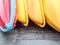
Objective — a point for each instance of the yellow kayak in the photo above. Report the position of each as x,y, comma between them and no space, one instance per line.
22,13
36,12
52,11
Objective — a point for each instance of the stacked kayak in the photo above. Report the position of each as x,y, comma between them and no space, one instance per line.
36,12
7,15
52,13
21,11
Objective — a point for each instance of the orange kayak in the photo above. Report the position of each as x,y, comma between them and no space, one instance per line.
52,11
36,12
22,14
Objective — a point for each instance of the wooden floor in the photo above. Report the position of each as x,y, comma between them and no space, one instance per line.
31,35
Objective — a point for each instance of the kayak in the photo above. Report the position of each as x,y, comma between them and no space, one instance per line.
52,11
7,15
36,12
6,4
2,12
22,13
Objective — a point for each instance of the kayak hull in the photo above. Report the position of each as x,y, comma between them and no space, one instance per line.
36,12
22,14
8,17
52,11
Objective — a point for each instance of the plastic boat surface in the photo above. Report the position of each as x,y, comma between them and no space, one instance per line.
52,11
7,15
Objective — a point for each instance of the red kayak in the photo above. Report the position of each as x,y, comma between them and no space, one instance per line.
7,15
7,9
2,12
